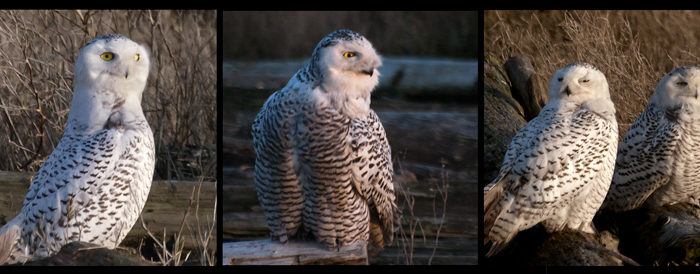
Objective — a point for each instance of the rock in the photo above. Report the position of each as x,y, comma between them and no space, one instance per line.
521,75
536,247
85,254
668,235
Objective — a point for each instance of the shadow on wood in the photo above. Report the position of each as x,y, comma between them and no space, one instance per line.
269,252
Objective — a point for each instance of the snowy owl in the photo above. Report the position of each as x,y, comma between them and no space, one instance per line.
558,168
659,159
94,184
323,166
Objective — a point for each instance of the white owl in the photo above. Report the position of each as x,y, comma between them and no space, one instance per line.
558,168
658,162
323,164
94,184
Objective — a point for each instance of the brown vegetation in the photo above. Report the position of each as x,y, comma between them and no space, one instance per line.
38,50
633,48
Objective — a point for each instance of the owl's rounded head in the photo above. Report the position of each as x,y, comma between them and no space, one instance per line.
579,82
680,86
347,57
112,62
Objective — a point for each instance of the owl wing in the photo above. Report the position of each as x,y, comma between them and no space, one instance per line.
278,189
372,172
644,161
68,194
544,170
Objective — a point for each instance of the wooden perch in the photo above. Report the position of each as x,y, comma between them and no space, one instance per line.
269,252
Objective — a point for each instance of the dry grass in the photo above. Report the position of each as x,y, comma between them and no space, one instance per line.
633,48
203,233
410,228
38,50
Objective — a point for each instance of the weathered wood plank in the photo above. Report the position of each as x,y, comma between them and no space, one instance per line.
269,252
165,208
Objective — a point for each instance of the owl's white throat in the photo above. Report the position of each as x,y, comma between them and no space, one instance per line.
93,110
349,93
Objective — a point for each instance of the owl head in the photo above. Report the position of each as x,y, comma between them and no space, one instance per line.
579,82
113,62
678,87
345,60
110,76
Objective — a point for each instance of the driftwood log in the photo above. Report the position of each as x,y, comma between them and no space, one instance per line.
165,209
269,252
503,117
522,79
410,74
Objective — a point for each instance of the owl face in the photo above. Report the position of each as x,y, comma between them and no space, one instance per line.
113,62
348,57
680,86
579,82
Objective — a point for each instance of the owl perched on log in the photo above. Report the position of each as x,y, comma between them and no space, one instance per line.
94,184
558,167
659,159
323,166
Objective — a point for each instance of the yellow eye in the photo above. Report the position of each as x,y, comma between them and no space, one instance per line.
136,57
349,54
681,83
107,56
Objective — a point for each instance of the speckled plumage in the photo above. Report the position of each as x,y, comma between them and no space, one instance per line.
658,162
94,184
557,169
323,165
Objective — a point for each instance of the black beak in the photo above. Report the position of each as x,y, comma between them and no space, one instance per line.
369,72
126,75
567,91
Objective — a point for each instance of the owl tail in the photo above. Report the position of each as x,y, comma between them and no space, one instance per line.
493,193
9,236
